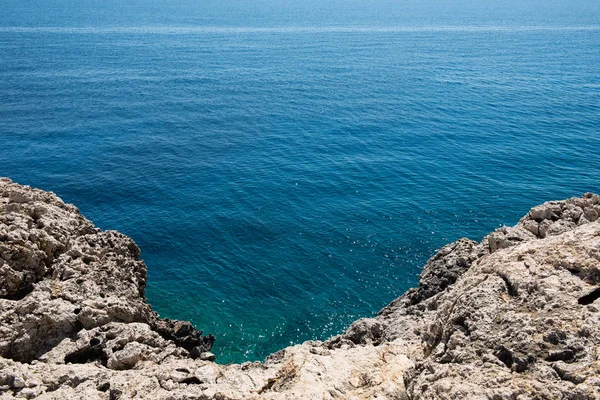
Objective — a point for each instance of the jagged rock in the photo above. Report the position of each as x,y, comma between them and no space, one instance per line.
516,316
366,330
184,334
445,268
207,356
61,275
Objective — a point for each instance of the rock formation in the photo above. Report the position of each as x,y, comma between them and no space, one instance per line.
513,317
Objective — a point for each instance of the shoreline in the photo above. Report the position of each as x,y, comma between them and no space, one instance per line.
62,317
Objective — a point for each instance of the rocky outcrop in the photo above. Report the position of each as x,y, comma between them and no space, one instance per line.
516,316
62,278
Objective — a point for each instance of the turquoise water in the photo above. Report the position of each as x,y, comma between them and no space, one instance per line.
287,168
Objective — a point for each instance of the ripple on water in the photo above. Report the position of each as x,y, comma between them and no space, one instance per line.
283,181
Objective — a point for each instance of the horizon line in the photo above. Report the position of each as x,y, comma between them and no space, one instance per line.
182,30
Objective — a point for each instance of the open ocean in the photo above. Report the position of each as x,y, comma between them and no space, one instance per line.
288,167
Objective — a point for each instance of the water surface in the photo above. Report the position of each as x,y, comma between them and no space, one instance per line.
287,168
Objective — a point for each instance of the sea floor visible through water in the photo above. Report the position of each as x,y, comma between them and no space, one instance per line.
288,168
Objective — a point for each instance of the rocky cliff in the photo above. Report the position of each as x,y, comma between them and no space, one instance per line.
513,317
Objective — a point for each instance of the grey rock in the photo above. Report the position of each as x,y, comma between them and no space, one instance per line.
59,274
513,317
207,356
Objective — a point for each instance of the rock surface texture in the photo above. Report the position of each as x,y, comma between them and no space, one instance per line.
516,316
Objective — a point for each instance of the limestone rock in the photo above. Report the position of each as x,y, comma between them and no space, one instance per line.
516,316
60,278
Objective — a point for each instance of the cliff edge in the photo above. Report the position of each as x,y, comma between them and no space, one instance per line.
516,316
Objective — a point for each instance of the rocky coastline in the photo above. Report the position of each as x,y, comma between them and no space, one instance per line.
516,316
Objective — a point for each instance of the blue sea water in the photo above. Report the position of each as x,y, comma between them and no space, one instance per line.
287,167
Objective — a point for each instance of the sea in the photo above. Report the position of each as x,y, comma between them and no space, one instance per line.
287,167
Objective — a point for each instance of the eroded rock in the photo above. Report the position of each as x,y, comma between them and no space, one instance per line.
61,277
515,316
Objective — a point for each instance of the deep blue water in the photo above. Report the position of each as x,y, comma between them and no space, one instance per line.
287,168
